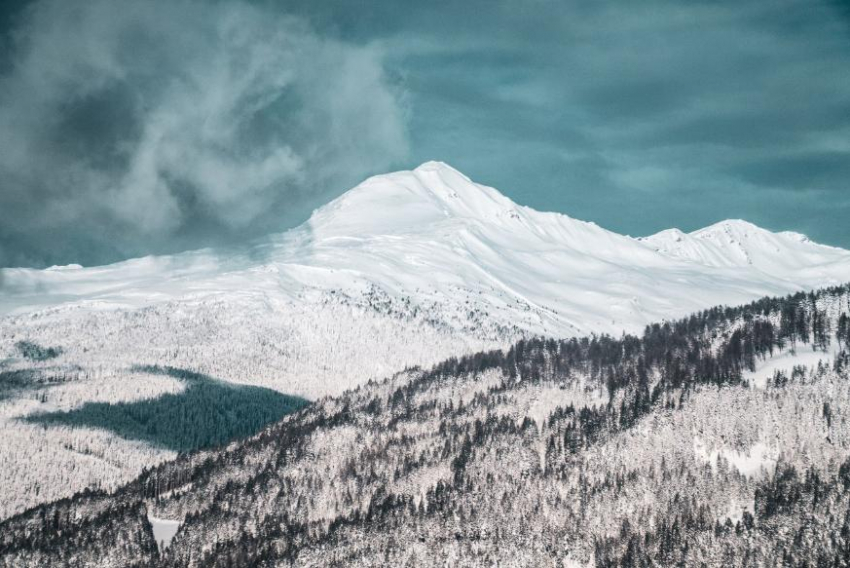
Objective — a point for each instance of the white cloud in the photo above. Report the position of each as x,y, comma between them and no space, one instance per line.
139,120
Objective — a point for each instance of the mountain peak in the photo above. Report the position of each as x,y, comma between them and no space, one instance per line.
733,228
738,243
667,235
740,228
405,201
438,166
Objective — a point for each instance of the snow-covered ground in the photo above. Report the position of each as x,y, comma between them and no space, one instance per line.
784,361
755,461
405,269
163,530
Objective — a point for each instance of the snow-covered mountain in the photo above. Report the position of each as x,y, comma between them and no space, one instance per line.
436,238
739,244
406,269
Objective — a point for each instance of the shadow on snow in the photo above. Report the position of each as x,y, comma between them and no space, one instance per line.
209,412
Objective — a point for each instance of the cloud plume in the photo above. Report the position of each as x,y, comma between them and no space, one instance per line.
135,127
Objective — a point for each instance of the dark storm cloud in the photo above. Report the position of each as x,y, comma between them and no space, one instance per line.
641,115
131,127
822,170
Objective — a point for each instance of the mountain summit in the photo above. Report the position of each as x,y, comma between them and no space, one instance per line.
433,191
737,243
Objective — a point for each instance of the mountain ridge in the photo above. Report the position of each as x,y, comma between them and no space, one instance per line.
438,202
737,243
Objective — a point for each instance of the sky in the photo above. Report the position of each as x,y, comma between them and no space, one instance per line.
146,127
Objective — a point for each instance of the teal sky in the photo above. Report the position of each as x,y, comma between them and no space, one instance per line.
185,124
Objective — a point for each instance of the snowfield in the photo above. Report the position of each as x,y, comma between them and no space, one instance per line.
163,530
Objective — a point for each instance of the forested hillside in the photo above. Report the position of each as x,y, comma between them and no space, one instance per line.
720,439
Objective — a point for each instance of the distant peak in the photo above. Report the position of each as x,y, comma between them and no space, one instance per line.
444,173
734,224
729,227
436,165
731,224
733,230
673,234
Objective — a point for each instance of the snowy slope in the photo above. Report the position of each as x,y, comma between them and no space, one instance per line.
740,244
